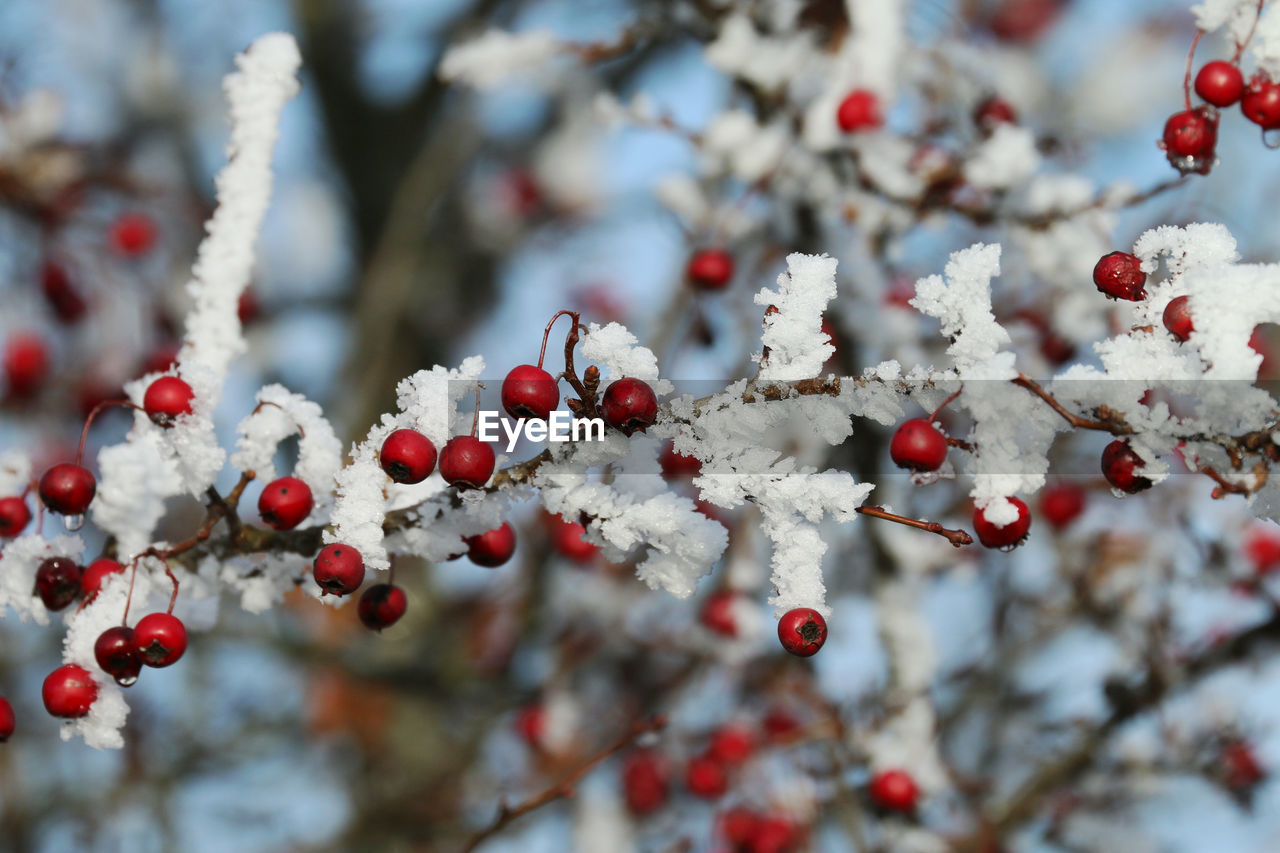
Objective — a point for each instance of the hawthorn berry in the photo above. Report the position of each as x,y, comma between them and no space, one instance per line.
492,548
1119,275
629,405
338,569
467,462
1241,768
644,782
1009,536
992,112
1024,20
860,110
67,304
26,364
14,516
381,606
705,777
917,445
710,269
894,790
96,573
1119,461
1261,102
166,399
132,234
57,582
1262,547
1177,318
802,631
6,720
678,465
531,724
731,744
117,654
285,502
1190,140
1220,83
407,456
774,834
1061,504
530,392
160,639
67,489
717,613
739,827
69,691
567,537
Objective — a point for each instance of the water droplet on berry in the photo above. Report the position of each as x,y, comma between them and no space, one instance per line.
1271,138
1120,493
126,680
73,522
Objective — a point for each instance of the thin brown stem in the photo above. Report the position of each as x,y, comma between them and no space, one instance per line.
546,333
933,417
1116,426
93,414
1186,80
955,537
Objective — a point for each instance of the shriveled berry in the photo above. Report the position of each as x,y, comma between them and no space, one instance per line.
167,398
530,392
381,606
7,720
338,569
710,269
14,516
629,405
160,639
1177,317
1008,536
26,364
117,654
57,582
860,110
802,631
285,502
644,782
1261,102
1220,83
1062,503
467,462
1119,462
69,691
492,548
96,573
894,790
717,613
407,456
67,489
917,445
705,777
1190,140
1119,275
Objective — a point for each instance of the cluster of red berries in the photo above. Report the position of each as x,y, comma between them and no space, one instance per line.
157,641
1190,137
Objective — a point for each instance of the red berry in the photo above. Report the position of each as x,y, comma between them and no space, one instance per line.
132,234
678,465
779,724
1061,504
57,582
492,548
6,720
531,724
69,691
629,405
67,304
992,112
96,573
774,835
1177,318
731,744
717,613
1220,83
918,445
1024,20
1190,140
14,516
1261,102
1120,276
860,110
167,398
1009,536
381,606
26,364
739,826
1262,547
1240,766
248,307
894,790
710,269
407,456
160,639
568,539
644,781
467,462
802,631
117,654
67,489
705,777
1119,461
285,502
338,569
529,392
